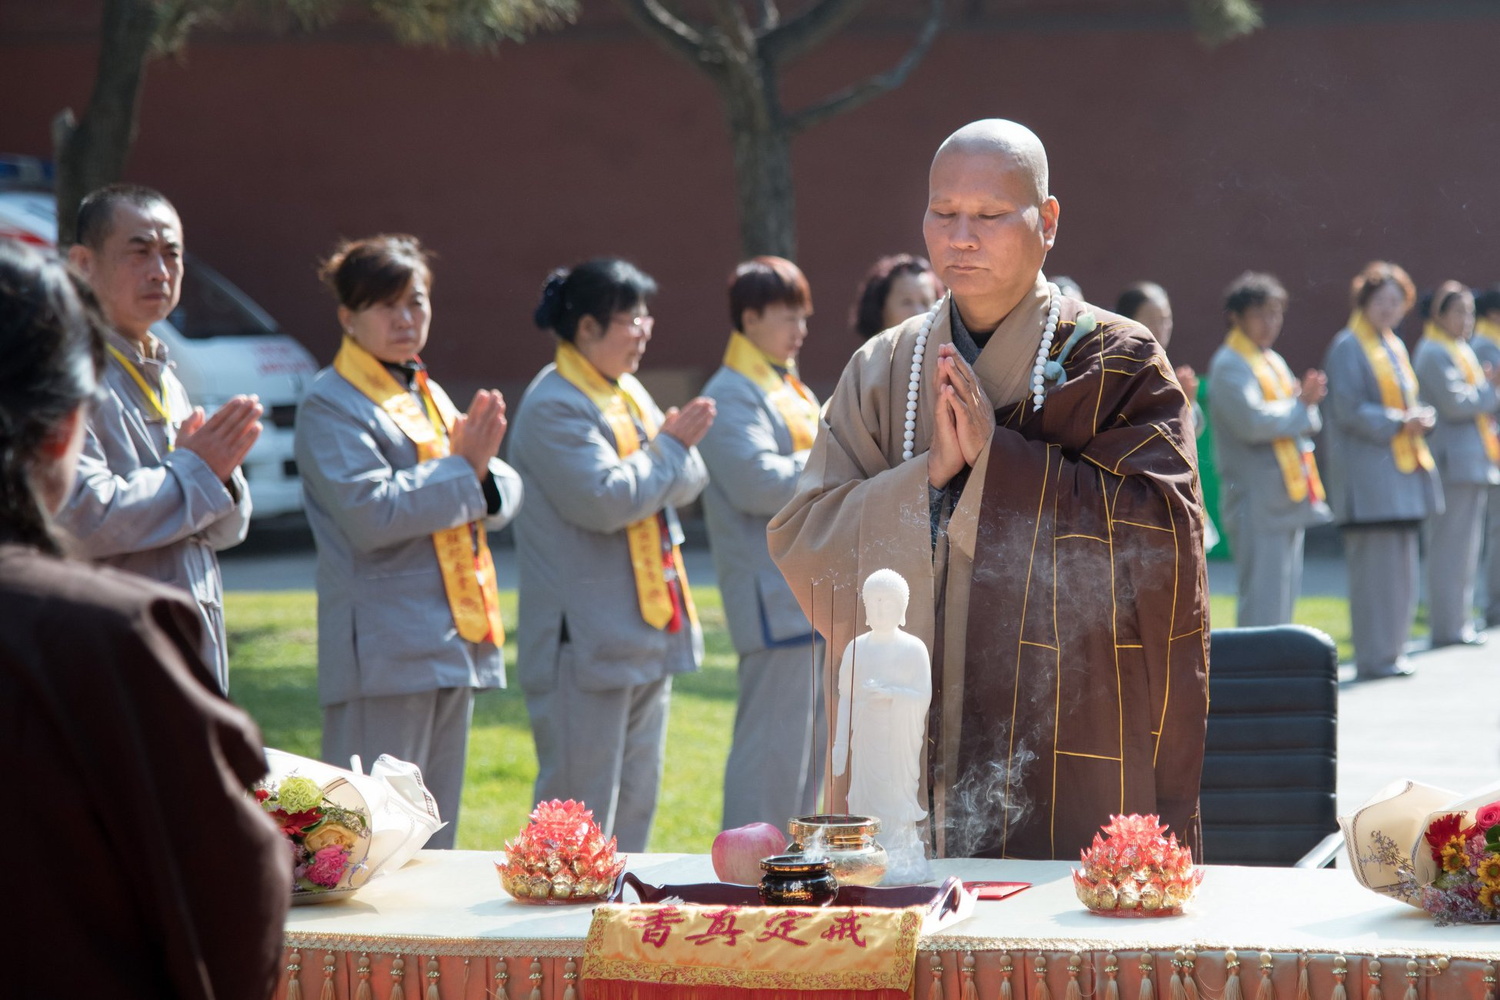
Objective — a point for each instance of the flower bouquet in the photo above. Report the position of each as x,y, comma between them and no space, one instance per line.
1432,849
328,830
561,856
1136,870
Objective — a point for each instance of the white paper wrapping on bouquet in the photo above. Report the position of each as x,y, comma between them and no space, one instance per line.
403,813
1402,811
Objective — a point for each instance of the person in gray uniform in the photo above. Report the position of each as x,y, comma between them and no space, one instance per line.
1272,491
399,488
1382,477
1454,383
755,451
1486,345
159,490
606,614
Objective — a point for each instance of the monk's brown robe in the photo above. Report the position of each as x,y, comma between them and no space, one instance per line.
1085,693
138,867
1065,601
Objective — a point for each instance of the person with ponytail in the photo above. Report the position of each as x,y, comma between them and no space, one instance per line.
400,488
169,879
606,615
1465,447
1382,479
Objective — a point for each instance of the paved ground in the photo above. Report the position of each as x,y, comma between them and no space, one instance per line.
1440,727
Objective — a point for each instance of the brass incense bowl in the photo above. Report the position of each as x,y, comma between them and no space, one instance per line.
847,841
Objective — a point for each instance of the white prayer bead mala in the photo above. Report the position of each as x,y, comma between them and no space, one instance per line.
1039,371
909,434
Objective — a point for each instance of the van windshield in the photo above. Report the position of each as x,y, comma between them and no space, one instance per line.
211,307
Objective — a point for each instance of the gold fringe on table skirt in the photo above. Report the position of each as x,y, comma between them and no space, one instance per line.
965,973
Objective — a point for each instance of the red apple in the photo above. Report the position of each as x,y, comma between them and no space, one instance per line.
737,852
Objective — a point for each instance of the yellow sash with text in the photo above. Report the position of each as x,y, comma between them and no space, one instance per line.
790,397
1299,470
464,558
1384,352
723,952
1463,356
622,404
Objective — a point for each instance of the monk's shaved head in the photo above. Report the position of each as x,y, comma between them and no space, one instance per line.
990,220
1005,140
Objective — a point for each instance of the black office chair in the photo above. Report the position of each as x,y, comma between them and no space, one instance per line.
1270,773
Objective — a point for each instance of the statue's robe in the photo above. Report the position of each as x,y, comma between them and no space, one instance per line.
1063,595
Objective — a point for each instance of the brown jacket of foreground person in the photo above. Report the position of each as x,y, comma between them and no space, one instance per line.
137,861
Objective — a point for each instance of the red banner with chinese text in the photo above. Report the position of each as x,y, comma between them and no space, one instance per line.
687,952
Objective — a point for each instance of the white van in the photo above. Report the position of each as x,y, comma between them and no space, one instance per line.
222,343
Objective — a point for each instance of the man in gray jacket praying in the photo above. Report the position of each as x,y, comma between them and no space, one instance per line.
159,487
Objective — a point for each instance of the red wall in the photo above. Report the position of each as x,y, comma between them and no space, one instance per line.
1315,145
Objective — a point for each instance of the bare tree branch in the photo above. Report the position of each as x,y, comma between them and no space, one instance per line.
479,23
675,34
852,97
733,26
795,38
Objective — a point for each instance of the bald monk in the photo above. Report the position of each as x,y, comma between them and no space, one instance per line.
1045,510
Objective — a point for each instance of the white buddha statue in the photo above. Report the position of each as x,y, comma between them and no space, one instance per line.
885,686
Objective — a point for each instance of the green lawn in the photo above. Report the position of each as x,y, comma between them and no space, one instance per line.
272,648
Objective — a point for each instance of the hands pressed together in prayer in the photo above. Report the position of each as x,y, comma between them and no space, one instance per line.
964,419
1312,388
688,424
1419,420
476,435
224,439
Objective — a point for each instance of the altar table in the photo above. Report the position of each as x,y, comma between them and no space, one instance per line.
442,928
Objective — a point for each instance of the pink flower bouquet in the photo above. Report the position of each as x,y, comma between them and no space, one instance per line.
327,831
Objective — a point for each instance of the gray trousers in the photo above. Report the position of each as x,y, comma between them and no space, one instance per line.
602,748
1383,565
1492,559
1268,567
1453,540
430,729
779,737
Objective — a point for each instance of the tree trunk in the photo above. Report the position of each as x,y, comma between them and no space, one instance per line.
762,167
93,153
